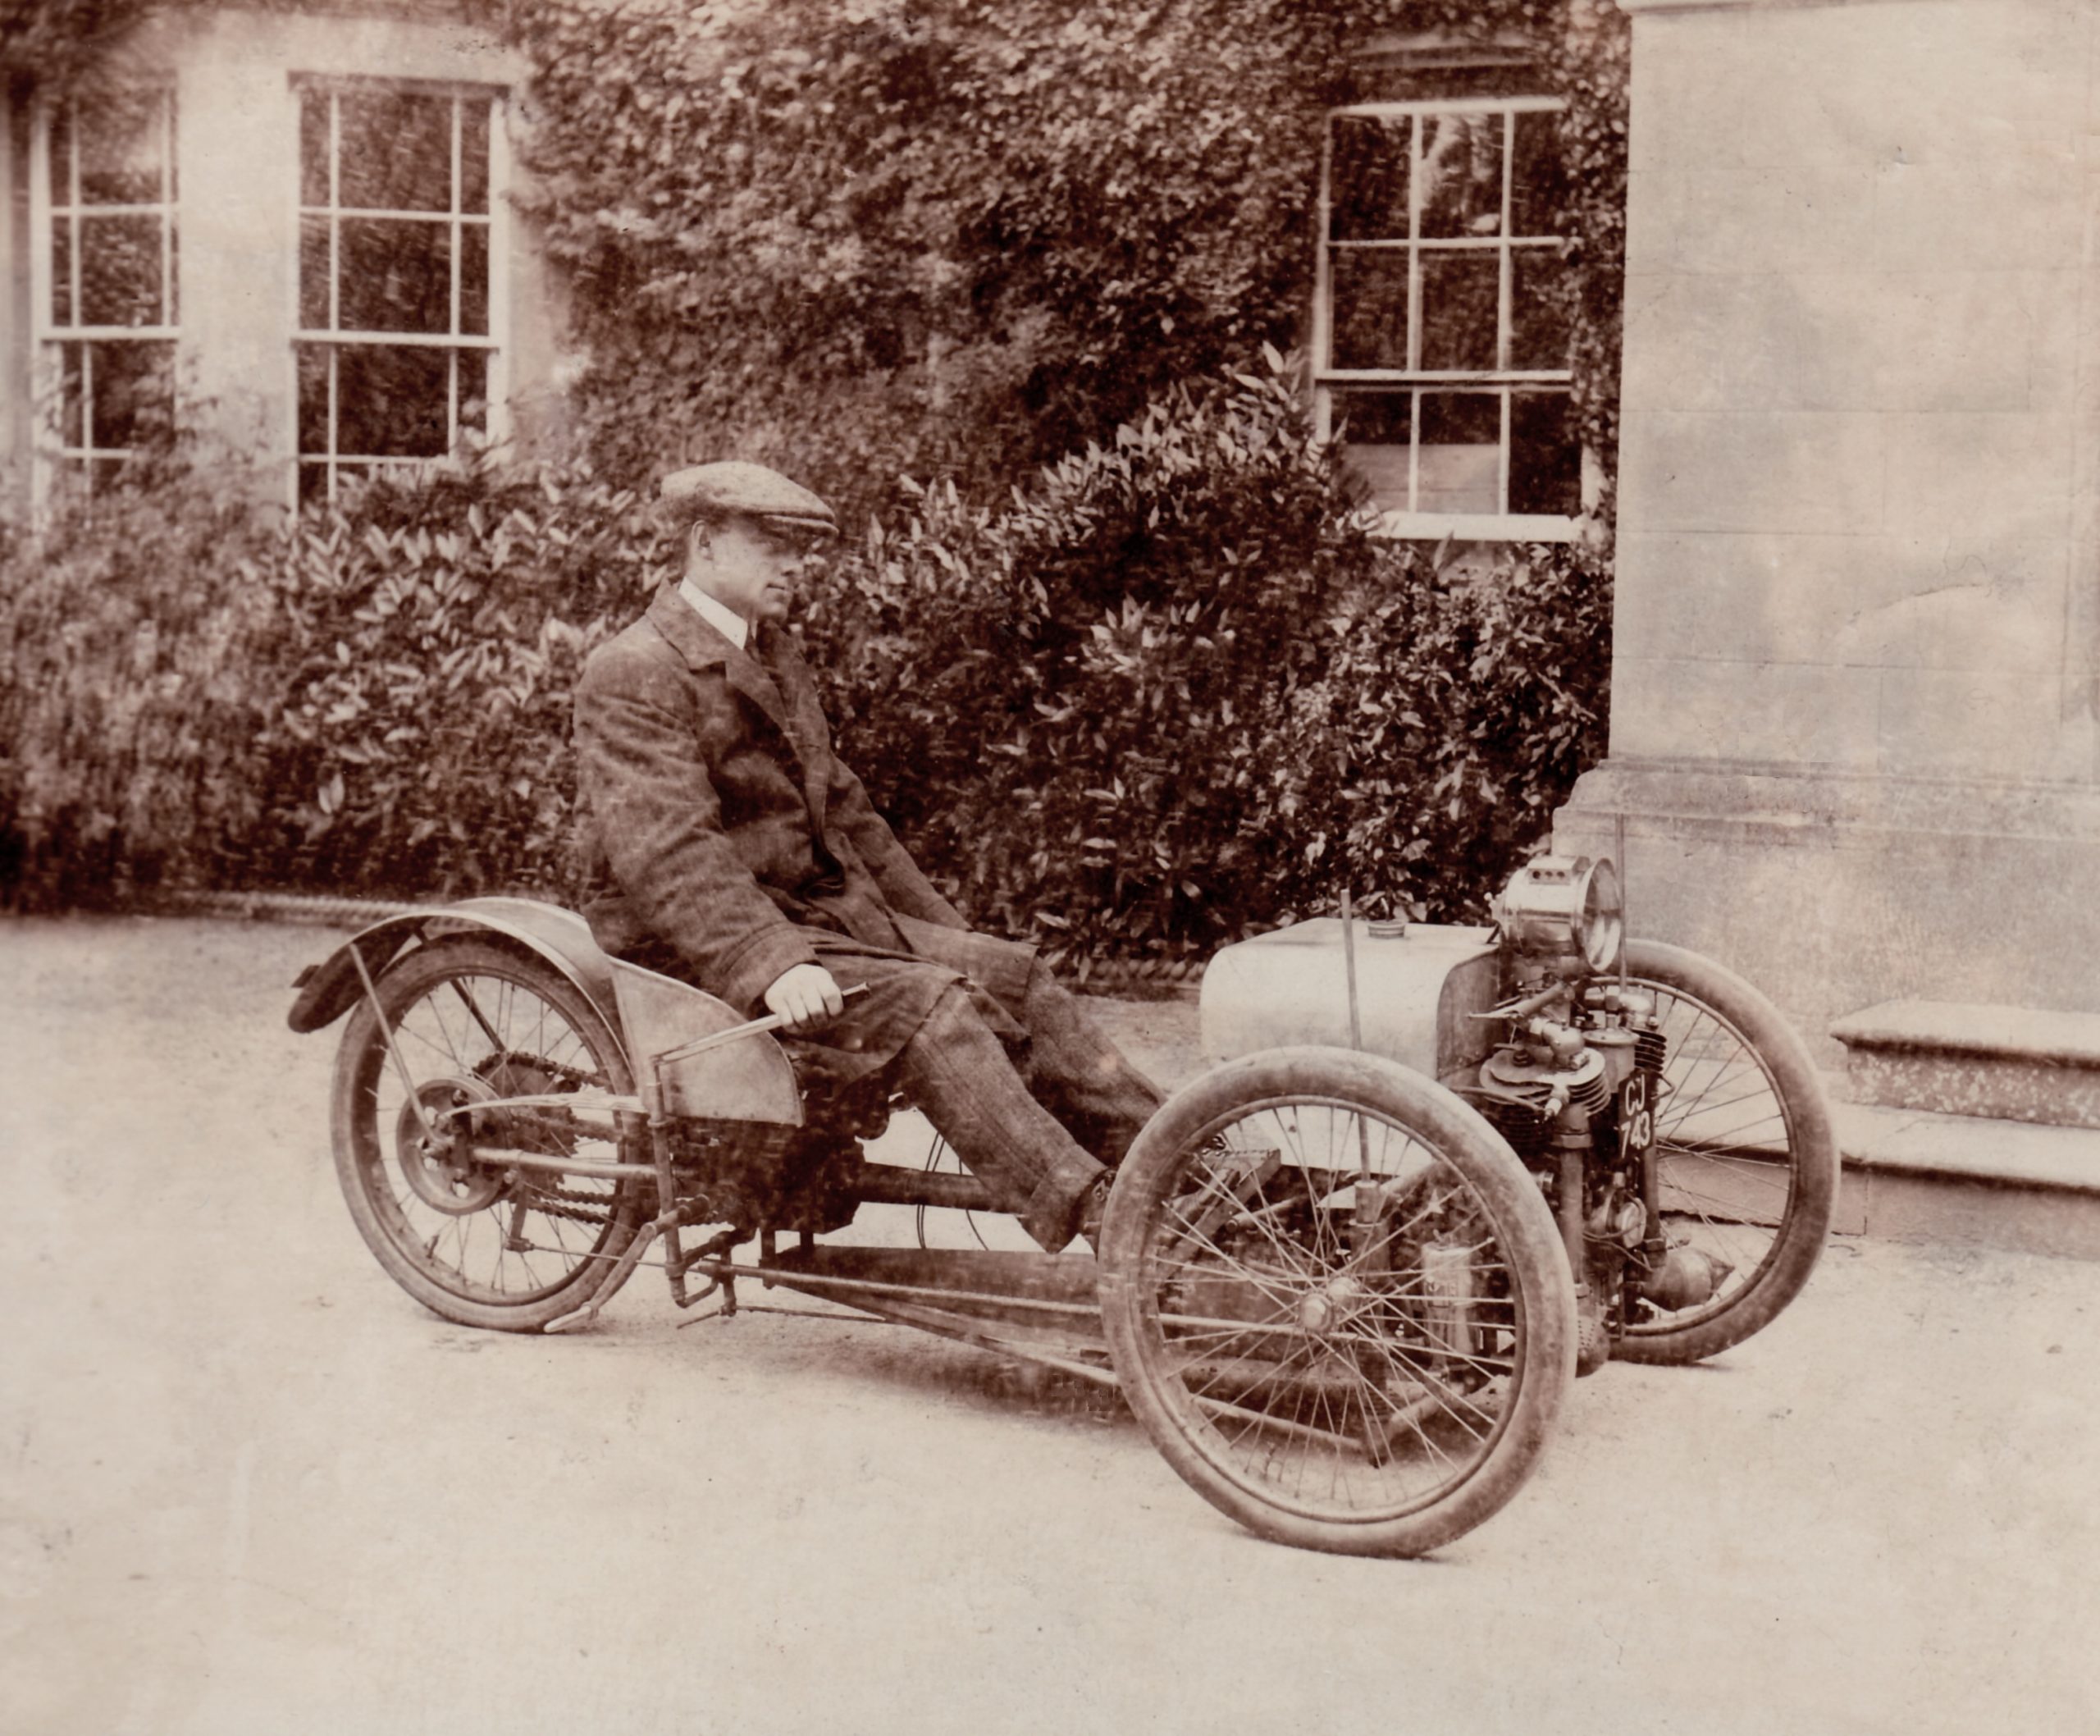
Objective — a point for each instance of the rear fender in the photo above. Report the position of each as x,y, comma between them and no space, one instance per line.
327,990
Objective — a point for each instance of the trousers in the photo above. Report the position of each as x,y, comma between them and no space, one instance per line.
982,1038
1041,1129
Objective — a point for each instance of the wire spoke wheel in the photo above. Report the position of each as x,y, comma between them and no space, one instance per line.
482,1242
1745,1166
1337,1302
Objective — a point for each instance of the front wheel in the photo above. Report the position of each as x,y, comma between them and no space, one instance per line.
1745,1166
486,1245
1337,1302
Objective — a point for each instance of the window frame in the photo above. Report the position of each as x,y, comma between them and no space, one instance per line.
51,457
493,344
1406,521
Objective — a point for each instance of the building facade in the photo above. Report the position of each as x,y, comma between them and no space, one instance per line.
289,233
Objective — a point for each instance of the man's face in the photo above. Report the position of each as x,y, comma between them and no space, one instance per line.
749,566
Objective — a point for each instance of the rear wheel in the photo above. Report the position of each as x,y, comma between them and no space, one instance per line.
483,1244
1747,1166
1337,1302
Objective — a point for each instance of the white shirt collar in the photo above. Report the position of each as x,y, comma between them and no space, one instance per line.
717,614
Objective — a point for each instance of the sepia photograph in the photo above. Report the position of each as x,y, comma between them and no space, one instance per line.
880,867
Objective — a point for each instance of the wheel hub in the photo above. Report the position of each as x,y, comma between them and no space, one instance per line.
1330,1305
437,1161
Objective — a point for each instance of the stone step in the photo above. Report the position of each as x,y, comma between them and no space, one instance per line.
1913,1176
2004,1063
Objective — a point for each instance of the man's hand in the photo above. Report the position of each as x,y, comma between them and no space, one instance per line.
805,993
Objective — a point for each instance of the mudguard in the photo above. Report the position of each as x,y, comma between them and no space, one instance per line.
329,990
649,1015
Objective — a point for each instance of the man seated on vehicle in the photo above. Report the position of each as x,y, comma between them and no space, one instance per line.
730,847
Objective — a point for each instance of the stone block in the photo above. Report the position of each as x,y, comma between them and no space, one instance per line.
1867,601
1952,603
1750,470
1948,471
1834,889
1782,85
1919,1206
1711,709
2015,213
1915,340
1967,722
2008,1064
1742,221
1738,597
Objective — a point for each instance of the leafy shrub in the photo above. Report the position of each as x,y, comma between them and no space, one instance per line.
370,701
1177,693
434,634
1173,694
129,712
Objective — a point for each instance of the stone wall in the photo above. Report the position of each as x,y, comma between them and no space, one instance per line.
1858,600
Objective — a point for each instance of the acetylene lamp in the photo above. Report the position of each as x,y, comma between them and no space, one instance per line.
1565,908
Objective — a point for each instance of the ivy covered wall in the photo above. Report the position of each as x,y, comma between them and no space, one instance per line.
962,237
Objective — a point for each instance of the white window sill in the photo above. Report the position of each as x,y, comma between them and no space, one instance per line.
1476,527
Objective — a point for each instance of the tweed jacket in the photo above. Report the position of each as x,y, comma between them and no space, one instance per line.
719,822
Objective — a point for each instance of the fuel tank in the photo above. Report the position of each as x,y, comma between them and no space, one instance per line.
1417,987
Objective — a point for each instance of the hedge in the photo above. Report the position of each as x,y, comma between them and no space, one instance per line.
1171,694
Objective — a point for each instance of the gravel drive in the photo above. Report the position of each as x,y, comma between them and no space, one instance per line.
247,1484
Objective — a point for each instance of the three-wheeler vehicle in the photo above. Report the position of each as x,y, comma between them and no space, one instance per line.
1345,1276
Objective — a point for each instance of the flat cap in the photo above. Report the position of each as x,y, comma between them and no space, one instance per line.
733,487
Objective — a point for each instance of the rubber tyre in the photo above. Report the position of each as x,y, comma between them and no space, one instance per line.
1752,1297
1290,1082
362,1132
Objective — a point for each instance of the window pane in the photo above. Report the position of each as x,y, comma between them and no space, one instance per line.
313,148
476,116
72,394
1539,332
396,150
1458,467
1374,430
1367,188
474,279
312,484
121,270
1461,298
314,397
123,149
1371,308
391,402
314,273
133,398
474,390
394,275
1461,191
61,155
1538,186
62,272
1545,458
